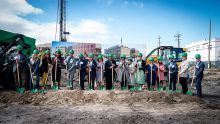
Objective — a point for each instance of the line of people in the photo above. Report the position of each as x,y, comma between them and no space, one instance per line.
130,72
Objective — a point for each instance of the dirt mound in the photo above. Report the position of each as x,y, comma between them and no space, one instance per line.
77,97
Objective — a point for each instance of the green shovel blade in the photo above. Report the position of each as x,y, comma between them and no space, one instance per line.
21,90
34,90
189,93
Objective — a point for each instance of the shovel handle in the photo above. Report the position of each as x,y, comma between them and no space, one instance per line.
18,73
193,76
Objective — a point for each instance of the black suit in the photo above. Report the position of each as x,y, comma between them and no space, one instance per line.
108,73
199,76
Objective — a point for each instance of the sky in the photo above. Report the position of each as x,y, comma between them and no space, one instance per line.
137,22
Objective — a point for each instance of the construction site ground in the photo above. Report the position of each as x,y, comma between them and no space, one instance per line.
116,106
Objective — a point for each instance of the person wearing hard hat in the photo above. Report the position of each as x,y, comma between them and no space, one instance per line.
92,65
19,70
123,73
160,72
71,66
132,70
184,73
82,65
151,72
100,72
172,73
56,70
110,65
44,68
34,64
140,73
199,66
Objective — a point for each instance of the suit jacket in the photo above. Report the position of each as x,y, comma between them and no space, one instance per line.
173,68
199,68
184,66
22,62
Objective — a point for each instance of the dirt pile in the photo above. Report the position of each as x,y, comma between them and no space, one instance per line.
77,97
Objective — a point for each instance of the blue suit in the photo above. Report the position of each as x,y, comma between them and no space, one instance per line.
154,75
199,76
173,75
82,64
93,65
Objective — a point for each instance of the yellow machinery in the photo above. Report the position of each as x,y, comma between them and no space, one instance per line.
165,51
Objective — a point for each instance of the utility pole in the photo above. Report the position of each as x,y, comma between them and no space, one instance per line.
159,40
209,47
177,36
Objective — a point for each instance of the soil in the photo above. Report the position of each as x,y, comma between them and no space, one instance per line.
75,106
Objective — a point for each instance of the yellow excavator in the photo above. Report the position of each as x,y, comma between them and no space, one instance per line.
165,51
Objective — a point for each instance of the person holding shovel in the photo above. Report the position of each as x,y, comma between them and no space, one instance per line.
100,72
160,73
82,65
34,69
184,73
172,73
151,72
123,73
71,65
199,68
140,73
110,65
44,68
19,70
56,70
132,70
92,65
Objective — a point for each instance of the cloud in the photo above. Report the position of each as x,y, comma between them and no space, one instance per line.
13,19
19,7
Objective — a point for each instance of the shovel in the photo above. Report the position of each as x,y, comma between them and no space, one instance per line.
178,82
158,73
190,88
19,89
113,79
67,77
32,80
89,81
55,87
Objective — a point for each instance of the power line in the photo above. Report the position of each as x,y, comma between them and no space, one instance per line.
177,36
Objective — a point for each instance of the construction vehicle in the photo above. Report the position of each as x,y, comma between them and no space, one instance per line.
8,43
165,51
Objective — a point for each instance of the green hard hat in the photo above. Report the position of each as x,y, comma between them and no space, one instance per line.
36,51
123,56
132,55
151,59
58,51
160,58
81,55
91,55
130,59
71,52
100,56
110,55
184,54
47,52
140,54
19,47
198,56
171,56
